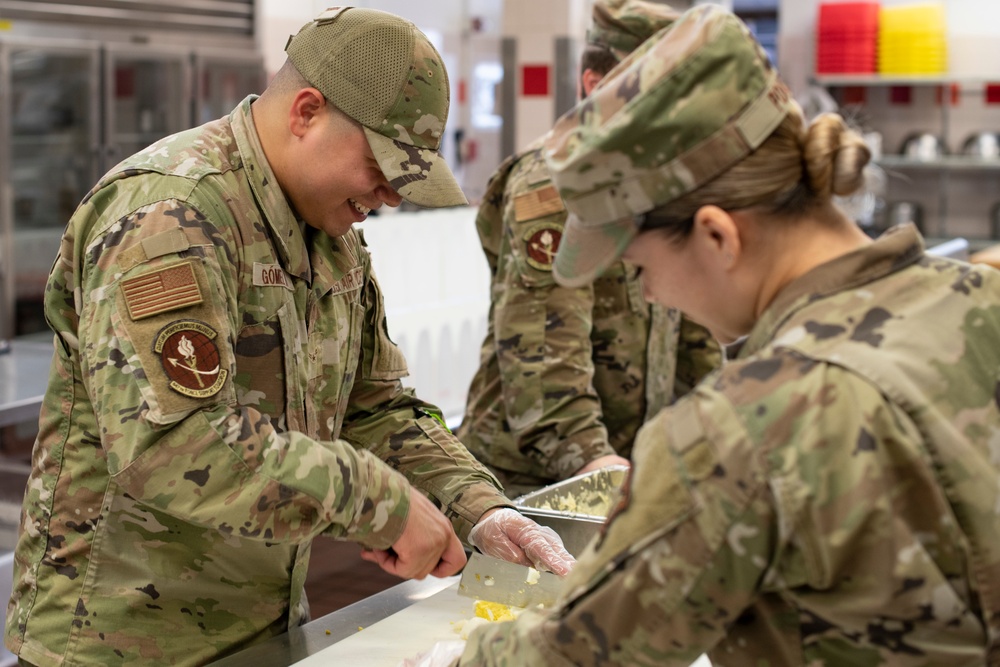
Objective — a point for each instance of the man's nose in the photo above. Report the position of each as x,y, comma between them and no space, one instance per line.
388,196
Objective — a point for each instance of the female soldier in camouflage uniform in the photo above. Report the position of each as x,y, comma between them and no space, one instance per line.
832,495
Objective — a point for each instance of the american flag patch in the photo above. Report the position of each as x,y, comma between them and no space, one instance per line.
537,203
161,291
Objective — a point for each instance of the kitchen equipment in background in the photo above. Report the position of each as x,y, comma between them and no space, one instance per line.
924,146
957,248
494,580
576,507
847,37
985,145
591,494
866,206
912,39
995,221
902,212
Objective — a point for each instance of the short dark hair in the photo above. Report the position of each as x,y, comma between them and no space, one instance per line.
597,58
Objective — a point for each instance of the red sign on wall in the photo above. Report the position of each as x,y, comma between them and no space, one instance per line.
534,80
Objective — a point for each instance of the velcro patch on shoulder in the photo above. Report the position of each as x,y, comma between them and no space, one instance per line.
541,242
190,358
538,203
160,291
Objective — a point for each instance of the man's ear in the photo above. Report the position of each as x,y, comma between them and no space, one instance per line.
718,236
589,80
307,105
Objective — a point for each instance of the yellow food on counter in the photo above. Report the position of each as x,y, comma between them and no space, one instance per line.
494,611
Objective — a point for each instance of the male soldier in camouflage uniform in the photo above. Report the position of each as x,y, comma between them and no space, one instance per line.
224,389
567,375
832,495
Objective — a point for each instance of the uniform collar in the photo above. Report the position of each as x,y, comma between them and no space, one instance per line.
285,228
894,250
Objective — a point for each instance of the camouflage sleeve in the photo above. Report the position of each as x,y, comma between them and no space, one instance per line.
407,433
157,292
543,339
698,354
680,558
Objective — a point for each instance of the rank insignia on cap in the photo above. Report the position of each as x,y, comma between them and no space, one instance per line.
535,204
190,358
160,291
541,242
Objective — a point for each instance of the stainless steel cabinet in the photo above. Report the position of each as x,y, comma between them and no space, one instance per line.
69,111
49,159
147,97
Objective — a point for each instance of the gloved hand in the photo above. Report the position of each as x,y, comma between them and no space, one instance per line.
507,534
442,654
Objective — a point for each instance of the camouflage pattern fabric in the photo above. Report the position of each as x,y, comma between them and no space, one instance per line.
223,391
343,51
640,121
566,374
622,25
828,498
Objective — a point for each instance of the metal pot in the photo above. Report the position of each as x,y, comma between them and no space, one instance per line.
995,221
902,212
924,146
984,145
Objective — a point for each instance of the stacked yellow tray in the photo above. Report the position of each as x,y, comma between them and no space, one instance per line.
912,39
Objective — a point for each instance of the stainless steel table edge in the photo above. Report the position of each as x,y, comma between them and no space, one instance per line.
300,643
24,374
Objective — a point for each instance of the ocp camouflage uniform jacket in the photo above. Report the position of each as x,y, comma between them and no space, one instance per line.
566,375
831,497
223,391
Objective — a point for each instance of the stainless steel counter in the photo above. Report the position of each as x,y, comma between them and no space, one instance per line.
24,374
300,643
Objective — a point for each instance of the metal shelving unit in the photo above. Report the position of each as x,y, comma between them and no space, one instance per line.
944,168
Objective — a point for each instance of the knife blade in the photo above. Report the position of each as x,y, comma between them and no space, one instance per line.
495,580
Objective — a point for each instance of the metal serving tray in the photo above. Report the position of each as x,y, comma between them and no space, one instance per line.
575,508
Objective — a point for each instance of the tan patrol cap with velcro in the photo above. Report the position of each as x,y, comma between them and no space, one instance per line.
383,72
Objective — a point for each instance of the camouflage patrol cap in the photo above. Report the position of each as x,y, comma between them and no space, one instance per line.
685,106
622,25
380,70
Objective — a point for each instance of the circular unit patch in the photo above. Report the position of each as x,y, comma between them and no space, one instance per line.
541,242
190,358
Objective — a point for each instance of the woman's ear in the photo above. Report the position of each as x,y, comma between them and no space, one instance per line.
718,236
307,105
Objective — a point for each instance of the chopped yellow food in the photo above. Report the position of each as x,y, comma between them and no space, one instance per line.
493,611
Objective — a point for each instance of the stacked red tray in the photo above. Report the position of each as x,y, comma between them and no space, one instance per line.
847,38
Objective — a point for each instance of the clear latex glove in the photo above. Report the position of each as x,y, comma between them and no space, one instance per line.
511,536
442,654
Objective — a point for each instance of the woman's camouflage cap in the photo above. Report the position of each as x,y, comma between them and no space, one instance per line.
689,103
622,25
380,70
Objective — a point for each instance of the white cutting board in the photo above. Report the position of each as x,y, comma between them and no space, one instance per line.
407,633
403,635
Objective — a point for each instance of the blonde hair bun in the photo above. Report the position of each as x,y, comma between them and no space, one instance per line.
835,156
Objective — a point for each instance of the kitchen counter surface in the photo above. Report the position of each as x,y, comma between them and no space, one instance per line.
411,616
24,375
